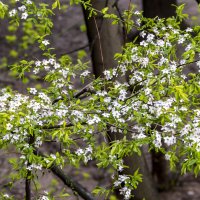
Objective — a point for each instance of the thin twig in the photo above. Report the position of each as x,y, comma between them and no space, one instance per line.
100,47
75,50
129,7
121,18
78,94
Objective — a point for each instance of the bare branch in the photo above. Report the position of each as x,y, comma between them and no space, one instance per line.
75,50
69,182
115,4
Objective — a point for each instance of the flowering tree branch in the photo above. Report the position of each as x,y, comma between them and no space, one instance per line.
162,96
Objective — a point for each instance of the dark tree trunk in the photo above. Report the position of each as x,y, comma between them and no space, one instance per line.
102,48
160,8
160,166
104,43
161,171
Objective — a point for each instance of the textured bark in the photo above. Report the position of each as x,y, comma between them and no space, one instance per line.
68,181
146,189
110,42
110,39
28,189
161,171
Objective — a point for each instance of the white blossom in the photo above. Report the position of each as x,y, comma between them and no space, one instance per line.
12,13
22,8
24,15
45,42
85,73
33,91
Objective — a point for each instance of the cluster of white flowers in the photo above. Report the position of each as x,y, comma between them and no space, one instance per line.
22,10
78,115
45,42
12,12
125,191
85,73
43,198
154,101
190,132
170,140
122,94
33,91
85,153
158,139
120,180
139,132
109,74
94,120
45,64
38,142
33,166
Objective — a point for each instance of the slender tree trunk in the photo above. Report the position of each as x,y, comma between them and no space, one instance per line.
160,166
105,40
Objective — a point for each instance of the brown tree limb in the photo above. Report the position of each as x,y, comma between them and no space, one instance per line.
28,176
68,181
28,187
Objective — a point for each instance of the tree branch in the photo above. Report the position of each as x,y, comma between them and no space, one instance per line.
28,176
115,4
75,50
68,181
28,188
78,94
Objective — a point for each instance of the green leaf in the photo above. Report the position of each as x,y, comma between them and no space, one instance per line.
3,10
65,195
54,5
104,10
